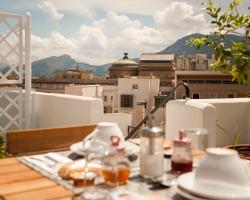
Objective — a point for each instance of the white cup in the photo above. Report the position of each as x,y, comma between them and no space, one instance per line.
222,165
107,133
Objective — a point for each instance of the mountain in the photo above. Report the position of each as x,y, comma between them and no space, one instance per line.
180,46
48,66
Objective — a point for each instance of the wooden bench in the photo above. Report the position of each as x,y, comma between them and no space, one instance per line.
45,139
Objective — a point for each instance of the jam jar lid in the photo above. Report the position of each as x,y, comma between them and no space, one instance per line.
183,140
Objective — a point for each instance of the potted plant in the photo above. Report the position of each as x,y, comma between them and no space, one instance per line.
3,152
235,57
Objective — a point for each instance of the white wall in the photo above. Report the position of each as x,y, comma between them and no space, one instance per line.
52,110
122,119
222,117
94,91
147,89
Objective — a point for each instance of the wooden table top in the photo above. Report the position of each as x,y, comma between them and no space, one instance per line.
19,182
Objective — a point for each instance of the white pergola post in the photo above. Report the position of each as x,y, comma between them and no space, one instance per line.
28,73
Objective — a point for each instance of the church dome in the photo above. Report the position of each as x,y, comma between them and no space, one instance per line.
125,62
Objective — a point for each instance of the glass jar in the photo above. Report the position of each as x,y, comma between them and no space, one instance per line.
152,155
182,159
116,167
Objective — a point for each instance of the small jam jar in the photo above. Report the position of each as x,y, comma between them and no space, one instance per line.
182,159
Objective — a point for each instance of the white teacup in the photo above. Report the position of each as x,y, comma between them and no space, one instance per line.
107,133
222,165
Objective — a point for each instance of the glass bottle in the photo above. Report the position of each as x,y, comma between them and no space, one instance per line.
182,159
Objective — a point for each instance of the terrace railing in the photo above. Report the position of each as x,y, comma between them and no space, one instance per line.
15,69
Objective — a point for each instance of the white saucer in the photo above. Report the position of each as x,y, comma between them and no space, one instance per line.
213,190
188,195
129,147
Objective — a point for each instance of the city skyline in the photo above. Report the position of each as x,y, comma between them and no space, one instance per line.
99,32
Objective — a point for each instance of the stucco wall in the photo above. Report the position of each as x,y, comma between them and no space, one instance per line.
52,110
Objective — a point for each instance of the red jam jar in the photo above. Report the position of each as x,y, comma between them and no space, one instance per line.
182,159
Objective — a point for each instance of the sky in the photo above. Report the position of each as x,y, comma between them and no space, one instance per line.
99,31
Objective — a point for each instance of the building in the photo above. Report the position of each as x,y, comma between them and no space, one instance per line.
195,62
137,93
110,98
75,74
123,68
53,85
210,84
93,91
158,65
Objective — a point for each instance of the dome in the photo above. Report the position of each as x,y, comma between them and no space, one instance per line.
125,62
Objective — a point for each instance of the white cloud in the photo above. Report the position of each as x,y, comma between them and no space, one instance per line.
108,38
50,9
113,24
179,18
76,7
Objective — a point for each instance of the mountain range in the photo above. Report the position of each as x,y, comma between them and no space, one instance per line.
48,66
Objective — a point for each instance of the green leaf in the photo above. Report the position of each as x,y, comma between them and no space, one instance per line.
231,6
238,53
236,138
238,2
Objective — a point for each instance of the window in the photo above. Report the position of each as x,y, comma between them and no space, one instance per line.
227,82
111,97
135,86
213,81
105,98
108,109
196,81
230,95
126,101
212,95
196,95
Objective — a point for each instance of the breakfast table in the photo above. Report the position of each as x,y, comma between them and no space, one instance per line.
30,177
21,181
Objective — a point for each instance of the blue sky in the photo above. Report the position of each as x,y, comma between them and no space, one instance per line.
99,31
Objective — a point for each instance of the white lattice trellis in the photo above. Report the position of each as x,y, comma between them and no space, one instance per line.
15,108
10,109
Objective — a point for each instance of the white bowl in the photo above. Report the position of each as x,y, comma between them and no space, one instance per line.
105,133
222,165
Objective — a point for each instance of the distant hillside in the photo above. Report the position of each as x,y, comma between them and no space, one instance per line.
180,46
48,66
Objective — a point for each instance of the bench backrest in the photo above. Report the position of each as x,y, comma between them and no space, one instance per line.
45,139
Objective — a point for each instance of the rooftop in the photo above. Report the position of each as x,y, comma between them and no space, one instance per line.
156,56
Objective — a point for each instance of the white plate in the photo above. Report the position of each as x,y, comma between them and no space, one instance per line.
130,148
188,195
213,190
